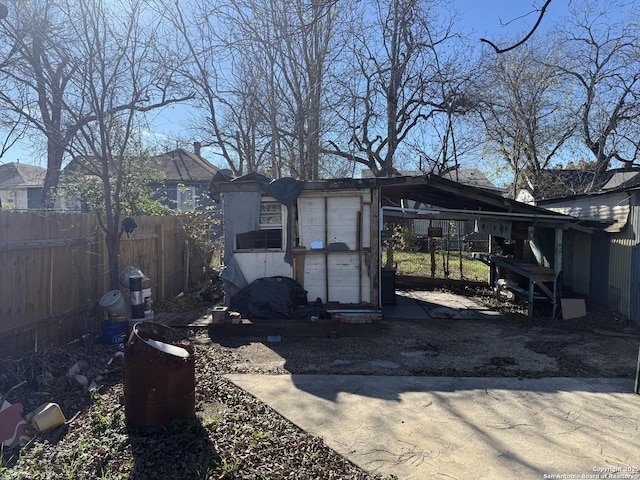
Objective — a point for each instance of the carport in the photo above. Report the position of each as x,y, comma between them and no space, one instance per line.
531,266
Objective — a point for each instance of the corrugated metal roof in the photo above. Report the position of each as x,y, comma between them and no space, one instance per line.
453,199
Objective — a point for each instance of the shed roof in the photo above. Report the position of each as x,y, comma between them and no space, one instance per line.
431,193
466,176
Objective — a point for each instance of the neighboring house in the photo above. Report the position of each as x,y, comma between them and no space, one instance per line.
605,266
326,234
559,182
185,186
186,179
21,186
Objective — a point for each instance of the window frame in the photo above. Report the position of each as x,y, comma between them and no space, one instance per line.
181,203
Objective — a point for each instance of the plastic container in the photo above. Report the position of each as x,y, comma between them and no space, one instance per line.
115,304
129,272
47,416
113,332
159,371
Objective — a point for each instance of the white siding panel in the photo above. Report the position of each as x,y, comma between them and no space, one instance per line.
256,265
344,279
333,217
311,220
314,277
343,220
345,270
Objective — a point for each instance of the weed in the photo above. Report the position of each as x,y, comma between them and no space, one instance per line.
226,468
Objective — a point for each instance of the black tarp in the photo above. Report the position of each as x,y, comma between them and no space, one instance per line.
276,298
246,206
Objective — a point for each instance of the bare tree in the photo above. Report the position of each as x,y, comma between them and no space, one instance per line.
124,78
13,129
601,60
441,141
396,81
258,67
40,65
525,111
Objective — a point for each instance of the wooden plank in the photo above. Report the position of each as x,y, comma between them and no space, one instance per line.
38,244
375,254
298,264
292,328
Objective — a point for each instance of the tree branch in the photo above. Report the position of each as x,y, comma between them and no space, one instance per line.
527,37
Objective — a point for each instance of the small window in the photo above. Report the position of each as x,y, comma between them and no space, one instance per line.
269,235
186,198
270,214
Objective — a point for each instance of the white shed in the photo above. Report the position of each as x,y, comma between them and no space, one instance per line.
323,235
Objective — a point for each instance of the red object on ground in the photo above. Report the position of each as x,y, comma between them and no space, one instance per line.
13,428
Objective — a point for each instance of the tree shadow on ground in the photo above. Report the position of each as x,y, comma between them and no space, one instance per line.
184,450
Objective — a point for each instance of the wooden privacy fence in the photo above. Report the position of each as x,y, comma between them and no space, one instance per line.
54,270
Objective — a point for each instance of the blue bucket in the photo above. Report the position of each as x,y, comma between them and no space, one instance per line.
113,332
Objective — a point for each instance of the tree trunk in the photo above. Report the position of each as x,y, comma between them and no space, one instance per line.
52,177
112,240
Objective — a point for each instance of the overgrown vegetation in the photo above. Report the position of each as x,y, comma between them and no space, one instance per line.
419,264
203,233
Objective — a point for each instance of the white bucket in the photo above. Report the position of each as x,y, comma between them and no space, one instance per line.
115,304
47,416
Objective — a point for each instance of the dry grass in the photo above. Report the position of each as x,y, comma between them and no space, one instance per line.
452,265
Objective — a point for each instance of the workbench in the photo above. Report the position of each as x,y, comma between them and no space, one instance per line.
545,278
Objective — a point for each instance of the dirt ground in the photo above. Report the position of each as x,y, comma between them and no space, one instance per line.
509,345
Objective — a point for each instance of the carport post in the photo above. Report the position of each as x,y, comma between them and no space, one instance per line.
557,268
636,388
493,269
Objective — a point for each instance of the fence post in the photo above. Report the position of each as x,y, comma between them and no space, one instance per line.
160,247
187,266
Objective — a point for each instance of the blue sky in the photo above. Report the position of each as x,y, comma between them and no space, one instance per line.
491,19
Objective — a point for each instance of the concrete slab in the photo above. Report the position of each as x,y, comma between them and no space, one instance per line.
418,304
472,428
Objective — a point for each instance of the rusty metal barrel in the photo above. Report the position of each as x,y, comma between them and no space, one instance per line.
159,371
